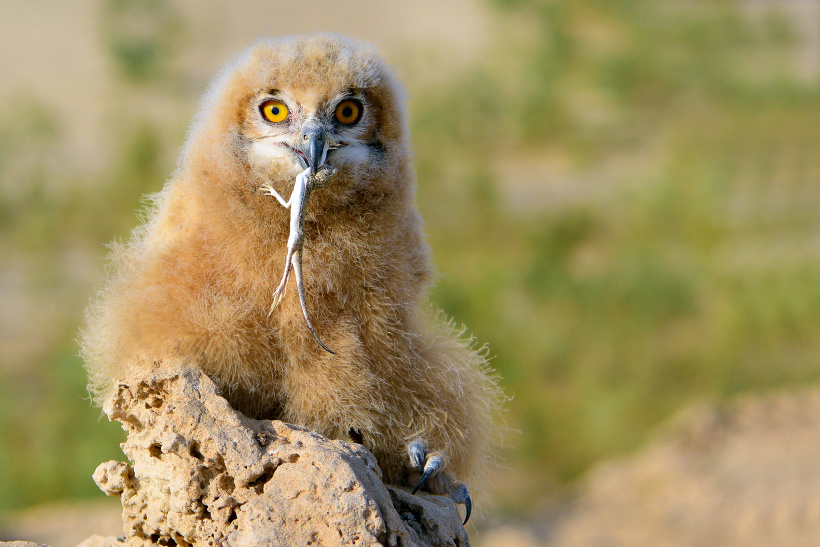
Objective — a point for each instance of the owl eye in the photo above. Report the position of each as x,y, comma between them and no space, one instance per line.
274,111
348,112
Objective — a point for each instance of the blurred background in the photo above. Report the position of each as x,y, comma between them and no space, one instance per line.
622,198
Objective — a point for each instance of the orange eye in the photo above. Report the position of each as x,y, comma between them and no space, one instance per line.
348,112
274,111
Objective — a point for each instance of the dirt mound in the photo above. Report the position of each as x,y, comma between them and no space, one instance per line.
745,473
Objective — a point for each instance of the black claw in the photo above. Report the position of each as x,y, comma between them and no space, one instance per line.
468,506
433,466
461,495
424,476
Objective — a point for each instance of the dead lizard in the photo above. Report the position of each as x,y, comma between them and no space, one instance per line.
306,182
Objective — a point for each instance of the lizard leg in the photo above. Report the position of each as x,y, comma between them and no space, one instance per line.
280,290
269,190
430,466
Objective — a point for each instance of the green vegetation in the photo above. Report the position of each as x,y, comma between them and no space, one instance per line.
684,263
140,36
663,249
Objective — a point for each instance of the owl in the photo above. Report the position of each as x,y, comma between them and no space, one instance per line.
319,118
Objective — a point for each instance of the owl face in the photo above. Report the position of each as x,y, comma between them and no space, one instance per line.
292,129
287,104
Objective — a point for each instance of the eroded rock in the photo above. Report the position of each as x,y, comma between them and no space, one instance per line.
204,474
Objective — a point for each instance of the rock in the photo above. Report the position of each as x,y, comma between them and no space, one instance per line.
204,474
20,544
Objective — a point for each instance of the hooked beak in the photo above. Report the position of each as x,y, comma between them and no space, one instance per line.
314,145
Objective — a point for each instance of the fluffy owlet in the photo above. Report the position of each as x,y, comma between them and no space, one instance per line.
321,119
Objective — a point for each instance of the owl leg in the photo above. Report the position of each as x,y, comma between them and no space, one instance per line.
430,466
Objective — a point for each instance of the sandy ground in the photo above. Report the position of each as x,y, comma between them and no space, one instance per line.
64,524
740,474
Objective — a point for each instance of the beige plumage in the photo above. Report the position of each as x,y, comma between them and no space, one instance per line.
196,281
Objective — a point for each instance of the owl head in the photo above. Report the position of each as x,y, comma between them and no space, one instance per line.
286,104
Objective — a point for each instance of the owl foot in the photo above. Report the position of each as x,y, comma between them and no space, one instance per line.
431,466
417,451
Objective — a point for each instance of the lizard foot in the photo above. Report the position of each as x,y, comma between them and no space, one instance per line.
283,285
277,295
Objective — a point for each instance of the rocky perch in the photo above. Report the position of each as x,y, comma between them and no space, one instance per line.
204,474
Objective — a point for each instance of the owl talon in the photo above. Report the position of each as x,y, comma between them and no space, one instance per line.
416,450
433,466
461,495
427,466
455,490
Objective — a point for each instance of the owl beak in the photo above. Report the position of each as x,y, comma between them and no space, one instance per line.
314,145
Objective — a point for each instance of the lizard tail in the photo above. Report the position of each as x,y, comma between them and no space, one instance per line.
297,269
